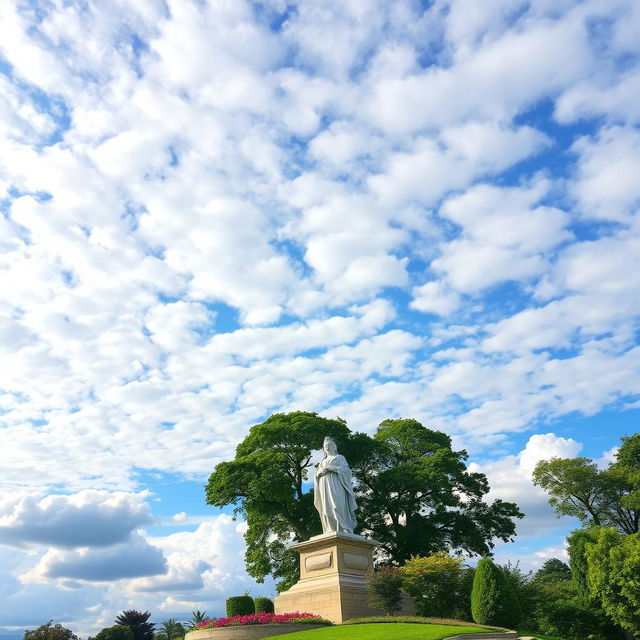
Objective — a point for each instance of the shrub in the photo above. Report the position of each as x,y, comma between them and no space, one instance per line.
117,632
493,601
578,541
575,619
434,582
263,605
50,631
240,606
385,589
613,567
524,591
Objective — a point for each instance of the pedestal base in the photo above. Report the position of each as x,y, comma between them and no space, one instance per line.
333,569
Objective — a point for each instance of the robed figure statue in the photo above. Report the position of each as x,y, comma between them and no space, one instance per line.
333,491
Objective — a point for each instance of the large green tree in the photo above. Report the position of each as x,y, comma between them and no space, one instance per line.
414,492
266,485
609,497
417,497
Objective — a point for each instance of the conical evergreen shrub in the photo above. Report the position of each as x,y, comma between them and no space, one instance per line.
493,601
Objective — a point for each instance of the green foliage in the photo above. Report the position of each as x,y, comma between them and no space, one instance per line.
138,622
613,576
240,606
462,609
577,543
609,498
417,497
413,491
263,604
50,631
574,618
196,618
170,629
265,484
117,632
493,601
434,582
521,584
385,589
553,570
561,606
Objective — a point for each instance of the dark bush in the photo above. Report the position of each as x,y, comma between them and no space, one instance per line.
576,619
493,601
240,606
263,604
117,632
385,589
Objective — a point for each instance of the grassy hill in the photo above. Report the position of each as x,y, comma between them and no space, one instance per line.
381,631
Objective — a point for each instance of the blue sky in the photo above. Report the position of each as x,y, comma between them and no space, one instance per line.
213,211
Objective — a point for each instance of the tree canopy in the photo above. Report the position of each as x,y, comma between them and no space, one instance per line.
138,622
553,570
417,498
609,497
414,492
50,631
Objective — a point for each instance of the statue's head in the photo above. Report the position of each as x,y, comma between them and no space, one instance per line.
329,446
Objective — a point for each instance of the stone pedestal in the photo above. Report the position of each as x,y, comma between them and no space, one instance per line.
333,569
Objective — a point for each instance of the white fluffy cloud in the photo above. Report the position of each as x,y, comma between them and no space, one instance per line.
85,519
510,479
606,186
130,559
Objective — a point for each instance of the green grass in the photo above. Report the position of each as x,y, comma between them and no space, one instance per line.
382,631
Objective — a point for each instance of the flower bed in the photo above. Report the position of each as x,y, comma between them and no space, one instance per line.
262,618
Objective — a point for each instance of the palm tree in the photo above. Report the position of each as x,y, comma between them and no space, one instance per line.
138,623
170,629
196,618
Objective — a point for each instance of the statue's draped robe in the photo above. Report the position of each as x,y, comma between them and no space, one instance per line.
333,495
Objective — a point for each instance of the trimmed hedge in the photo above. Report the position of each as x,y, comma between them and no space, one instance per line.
263,605
117,632
240,606
421,620
493,600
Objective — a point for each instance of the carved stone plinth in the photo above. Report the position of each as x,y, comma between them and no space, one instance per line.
333,569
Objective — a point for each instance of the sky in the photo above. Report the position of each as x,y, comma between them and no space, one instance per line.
212,211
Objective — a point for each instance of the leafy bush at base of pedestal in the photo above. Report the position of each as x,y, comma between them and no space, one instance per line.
263,605
240,606
385,589
493,601
117,632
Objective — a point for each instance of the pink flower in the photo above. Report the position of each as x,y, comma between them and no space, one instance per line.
259,618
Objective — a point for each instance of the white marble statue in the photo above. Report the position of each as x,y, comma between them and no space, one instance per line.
333,491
